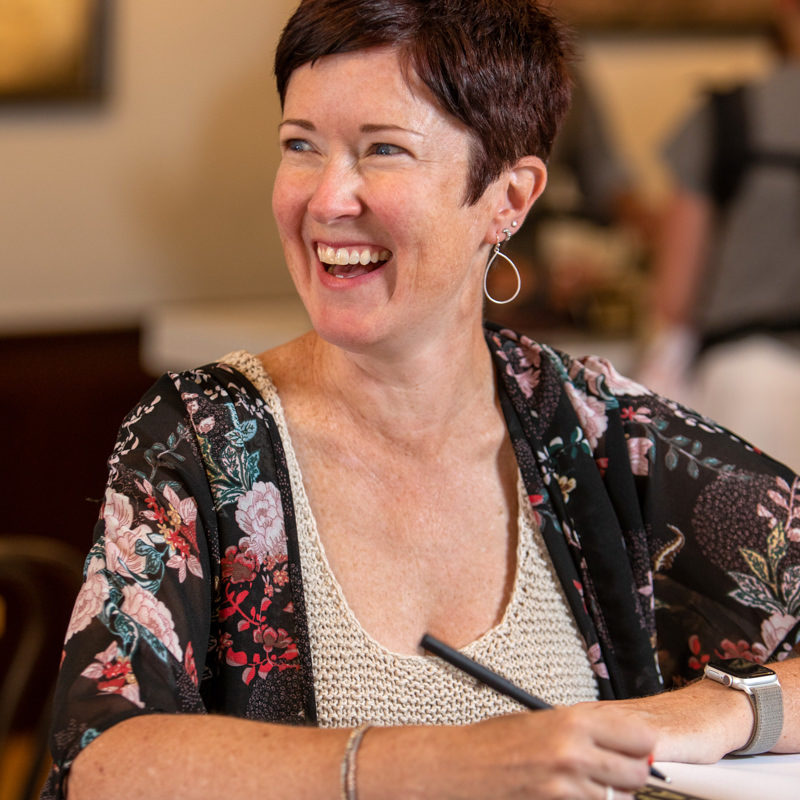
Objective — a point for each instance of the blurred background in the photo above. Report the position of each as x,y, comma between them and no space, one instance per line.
138,140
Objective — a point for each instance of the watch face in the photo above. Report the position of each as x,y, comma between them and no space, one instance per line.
741,668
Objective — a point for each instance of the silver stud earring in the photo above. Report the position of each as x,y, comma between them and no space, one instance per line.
495,253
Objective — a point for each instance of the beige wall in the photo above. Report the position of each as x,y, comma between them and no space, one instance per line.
163,193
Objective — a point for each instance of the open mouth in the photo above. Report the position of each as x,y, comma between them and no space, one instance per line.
351,262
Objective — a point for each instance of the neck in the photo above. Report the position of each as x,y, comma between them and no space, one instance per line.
414,399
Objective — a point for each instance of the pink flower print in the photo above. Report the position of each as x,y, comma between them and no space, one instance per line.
526,370
121,538
259,514
536,500
591,414
775,629
143,607
178,526
186,509
238,567
192,406
527,380
617,384
113,673
205,425
90,599
638,449
741,649
596,660
189,664
641,414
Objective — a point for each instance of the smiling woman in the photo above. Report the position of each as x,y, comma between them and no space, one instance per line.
370,201
280,529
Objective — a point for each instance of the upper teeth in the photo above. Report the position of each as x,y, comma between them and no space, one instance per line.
345,255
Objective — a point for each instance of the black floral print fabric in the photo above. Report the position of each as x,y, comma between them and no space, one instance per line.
674,541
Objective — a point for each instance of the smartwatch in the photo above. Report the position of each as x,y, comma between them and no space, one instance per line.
762,688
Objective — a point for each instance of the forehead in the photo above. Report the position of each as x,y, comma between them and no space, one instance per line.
370,81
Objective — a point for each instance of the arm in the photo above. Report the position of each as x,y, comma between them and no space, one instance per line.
680,257
704,721
722,528
677,270
565,752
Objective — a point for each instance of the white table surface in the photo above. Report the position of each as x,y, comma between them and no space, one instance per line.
766,777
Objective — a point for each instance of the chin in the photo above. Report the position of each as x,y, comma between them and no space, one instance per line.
348,330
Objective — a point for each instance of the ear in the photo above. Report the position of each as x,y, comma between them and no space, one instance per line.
518,189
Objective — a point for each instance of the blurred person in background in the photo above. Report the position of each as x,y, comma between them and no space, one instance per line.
725,299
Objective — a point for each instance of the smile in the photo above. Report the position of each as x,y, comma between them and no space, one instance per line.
350,262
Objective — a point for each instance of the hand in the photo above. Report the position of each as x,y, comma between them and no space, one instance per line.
697,724
560,754
571,752
665,363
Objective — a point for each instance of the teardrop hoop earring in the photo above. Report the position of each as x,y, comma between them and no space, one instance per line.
495,253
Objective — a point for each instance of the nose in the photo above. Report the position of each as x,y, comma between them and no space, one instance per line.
336,193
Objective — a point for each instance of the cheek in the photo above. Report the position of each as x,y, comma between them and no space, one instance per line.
287,203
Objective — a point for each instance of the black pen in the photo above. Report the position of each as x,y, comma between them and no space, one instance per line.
494,681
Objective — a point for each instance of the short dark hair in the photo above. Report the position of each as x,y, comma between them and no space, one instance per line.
501,67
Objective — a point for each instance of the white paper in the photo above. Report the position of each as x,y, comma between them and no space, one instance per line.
746,778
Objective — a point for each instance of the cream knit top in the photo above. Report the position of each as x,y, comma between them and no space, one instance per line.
536,644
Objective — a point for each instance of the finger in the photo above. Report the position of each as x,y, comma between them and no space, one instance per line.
622,731
602,745
623,773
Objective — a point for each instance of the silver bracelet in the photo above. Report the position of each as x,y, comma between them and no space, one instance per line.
348,771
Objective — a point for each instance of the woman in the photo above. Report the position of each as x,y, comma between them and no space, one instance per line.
279,531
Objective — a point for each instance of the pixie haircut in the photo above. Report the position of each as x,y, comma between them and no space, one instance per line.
500,67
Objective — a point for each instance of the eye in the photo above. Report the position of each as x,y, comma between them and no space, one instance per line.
296,145
386,149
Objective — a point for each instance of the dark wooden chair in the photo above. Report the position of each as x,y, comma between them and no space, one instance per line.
39,579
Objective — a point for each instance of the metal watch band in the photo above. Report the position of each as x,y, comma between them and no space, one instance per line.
767,703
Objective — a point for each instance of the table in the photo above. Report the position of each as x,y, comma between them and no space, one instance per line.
746,778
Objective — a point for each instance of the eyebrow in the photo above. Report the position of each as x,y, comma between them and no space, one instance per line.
300,123
367,128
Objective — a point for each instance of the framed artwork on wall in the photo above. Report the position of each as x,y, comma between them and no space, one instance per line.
667,15
53,50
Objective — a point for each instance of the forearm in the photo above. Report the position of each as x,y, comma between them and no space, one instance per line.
735,711
549,754
176,756
679,260
704,721
789,676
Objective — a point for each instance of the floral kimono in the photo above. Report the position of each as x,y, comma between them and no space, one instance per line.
674,542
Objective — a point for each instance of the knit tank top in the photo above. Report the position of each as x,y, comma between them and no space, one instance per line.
536,644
